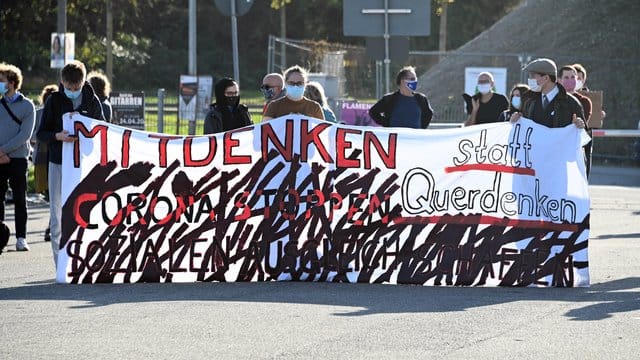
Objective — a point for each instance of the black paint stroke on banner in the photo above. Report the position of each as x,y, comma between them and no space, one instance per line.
448,252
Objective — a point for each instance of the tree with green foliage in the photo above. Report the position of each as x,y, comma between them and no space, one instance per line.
150,36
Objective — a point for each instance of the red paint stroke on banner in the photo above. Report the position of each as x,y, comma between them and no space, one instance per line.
491,167
484,219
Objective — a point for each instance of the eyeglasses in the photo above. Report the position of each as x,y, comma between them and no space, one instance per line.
297,83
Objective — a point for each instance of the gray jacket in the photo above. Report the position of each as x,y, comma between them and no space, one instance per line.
14,137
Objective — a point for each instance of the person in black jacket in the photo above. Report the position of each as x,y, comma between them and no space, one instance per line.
102,87
486,105
74,95
226,113
405,107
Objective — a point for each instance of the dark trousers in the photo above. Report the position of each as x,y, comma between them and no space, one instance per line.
588,152
16,174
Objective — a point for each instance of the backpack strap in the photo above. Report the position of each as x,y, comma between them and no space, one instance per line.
13,116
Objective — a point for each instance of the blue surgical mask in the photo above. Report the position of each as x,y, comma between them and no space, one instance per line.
515,101
295,92
72,94
413,85
3,88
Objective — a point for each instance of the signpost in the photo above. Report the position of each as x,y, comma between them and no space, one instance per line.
234,8
362,18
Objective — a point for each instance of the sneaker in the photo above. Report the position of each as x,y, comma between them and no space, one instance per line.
21,245
47,234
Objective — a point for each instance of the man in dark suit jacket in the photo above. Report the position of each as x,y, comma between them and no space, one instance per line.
548,103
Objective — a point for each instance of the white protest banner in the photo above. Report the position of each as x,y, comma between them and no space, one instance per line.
302,199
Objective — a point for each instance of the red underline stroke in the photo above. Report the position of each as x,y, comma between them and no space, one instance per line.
492,167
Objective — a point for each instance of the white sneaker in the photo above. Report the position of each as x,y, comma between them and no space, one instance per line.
21,245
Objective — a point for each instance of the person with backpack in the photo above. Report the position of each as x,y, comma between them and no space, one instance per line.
17,118
405,107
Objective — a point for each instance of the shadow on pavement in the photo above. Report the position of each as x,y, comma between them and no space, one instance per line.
601,300
616,236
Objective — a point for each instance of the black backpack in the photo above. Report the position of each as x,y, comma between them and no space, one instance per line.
4,235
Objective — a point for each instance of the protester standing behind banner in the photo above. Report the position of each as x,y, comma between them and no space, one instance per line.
40,158
314,91
226,113
568,76
102,88
75,95
581,78
548,103
17,116
405,107
518,92
41,153
486,106
272,88
294,102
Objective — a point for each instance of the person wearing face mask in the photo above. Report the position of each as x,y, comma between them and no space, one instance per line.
17,116
314,91
405,107
294,102
226,113
568,79
581,77
486,104
272,88
549,104
518,92
75,94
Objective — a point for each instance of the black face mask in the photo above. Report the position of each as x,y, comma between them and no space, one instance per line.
232,100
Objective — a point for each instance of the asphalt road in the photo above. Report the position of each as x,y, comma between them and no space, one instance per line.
40,319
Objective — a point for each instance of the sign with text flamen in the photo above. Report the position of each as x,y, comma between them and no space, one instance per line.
302,199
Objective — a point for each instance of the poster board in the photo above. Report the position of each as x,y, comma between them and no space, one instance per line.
499,79
595,121
62,49
194,97
128,109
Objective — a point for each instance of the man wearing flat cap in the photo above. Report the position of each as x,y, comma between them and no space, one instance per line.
548,103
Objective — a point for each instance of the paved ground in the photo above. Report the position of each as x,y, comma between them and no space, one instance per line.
40,319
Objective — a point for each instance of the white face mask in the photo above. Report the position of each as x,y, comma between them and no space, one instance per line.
515,101
579,84
484,88
533,84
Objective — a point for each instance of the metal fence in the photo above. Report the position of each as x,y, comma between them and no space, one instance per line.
161,115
